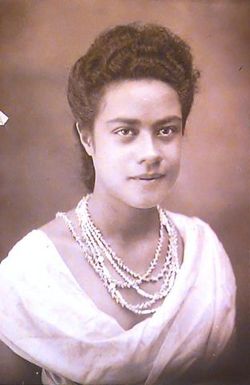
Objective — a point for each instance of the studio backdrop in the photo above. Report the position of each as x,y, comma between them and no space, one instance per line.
41,160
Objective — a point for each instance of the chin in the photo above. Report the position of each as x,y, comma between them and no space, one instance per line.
141,202
149,196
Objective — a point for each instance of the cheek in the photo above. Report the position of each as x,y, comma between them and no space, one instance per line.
106,159
173,153
177,155
177,159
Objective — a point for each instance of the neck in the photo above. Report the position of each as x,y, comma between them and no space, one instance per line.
117,219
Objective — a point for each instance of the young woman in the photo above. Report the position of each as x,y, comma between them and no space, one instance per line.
119,290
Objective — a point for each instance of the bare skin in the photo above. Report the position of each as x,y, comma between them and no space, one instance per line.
136,250
136,151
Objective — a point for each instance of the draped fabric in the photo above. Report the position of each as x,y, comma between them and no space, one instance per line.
47,318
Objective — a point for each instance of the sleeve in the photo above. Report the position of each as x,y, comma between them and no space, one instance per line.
14,313
216,271
35,290
223,327
24,292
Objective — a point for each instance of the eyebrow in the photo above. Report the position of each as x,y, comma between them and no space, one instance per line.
168,119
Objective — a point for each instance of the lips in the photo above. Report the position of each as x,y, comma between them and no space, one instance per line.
148,177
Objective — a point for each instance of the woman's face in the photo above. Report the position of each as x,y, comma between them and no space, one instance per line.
136,142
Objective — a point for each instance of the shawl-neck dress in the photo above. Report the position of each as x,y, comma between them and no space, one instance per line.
47,318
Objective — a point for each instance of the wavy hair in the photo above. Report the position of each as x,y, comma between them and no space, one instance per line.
131,51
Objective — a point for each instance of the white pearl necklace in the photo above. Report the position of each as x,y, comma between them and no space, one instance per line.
98,253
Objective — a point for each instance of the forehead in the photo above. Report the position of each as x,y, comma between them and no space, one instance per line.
143,99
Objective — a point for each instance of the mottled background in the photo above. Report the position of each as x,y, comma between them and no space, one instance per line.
40,160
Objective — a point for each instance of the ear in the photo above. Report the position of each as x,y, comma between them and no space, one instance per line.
86,140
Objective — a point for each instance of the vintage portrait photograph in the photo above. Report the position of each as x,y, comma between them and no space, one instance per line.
124,198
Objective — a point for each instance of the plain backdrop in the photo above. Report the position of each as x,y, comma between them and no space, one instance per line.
40,162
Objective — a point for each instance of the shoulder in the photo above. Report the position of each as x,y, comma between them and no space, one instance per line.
195,230
206,258
25,269
186,220
35,256
27,252
18,273
26,249
37,244
192,226
201,241
37,262
31,277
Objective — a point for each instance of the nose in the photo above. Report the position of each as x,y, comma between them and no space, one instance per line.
148,151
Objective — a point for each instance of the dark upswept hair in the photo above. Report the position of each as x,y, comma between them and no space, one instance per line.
132,51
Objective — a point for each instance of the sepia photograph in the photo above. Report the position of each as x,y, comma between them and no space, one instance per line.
124,199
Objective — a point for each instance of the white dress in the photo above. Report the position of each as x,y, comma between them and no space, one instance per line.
47,318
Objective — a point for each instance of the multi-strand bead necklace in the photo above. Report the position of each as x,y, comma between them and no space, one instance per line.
99,255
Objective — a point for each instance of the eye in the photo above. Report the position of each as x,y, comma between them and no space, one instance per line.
125,131
166,131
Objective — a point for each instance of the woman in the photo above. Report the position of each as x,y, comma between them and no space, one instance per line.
119,290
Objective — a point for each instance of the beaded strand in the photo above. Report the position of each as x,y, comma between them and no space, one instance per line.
97,251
